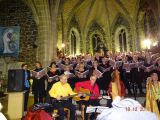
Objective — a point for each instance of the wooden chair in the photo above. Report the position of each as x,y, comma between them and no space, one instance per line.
66,110
82,112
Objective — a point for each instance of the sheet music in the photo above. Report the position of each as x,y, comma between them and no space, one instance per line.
88,66
54,78
49,68
132,65
97,73
143,67
118,64
111,62
69,74
58,63
97,109
126,67
38,74
104,69
66,67
140,64
106,97
155,56
150,68
82,75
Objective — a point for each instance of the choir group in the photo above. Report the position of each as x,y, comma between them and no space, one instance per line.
107,75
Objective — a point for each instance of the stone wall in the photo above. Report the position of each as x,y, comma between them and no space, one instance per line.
17,13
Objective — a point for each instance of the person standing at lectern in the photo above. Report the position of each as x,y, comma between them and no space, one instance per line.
26,74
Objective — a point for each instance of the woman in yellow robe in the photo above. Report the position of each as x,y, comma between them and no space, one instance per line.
153,94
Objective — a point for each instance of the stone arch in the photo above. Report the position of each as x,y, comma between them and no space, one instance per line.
94,30
74,28
74,48
146,25
121,23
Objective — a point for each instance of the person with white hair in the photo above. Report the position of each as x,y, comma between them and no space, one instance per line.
126,109
2,117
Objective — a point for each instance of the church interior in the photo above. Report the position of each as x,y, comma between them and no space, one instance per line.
47,32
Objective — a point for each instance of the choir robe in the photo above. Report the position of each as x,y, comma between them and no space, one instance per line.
137,77
106,78
38,87
51,74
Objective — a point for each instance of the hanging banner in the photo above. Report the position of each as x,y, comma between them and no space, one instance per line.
9,41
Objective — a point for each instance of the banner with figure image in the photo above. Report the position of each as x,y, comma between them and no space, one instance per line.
9,40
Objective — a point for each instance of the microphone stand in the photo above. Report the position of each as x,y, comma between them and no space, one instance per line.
134,85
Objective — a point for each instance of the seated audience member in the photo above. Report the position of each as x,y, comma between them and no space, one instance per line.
57,92
92,86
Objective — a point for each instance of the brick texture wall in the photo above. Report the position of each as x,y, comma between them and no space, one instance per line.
17,13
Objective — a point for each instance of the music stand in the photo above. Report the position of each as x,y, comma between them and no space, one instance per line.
134,87
95,109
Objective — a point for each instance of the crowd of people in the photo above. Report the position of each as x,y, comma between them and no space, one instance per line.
110,74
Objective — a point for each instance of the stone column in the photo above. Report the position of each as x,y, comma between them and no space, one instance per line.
135,44
47,29
41,8
158,19
54,28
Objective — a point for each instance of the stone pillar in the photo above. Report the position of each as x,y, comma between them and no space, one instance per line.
47,29
158,20
54,27
135,44
43,14
84,39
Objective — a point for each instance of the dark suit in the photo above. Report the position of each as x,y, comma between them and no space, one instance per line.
26,77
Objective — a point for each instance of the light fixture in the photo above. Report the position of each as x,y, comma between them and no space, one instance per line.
63,45
155,43
147,43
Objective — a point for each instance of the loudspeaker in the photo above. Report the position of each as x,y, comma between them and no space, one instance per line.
16,80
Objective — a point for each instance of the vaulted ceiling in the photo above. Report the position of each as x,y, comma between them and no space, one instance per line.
102,11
